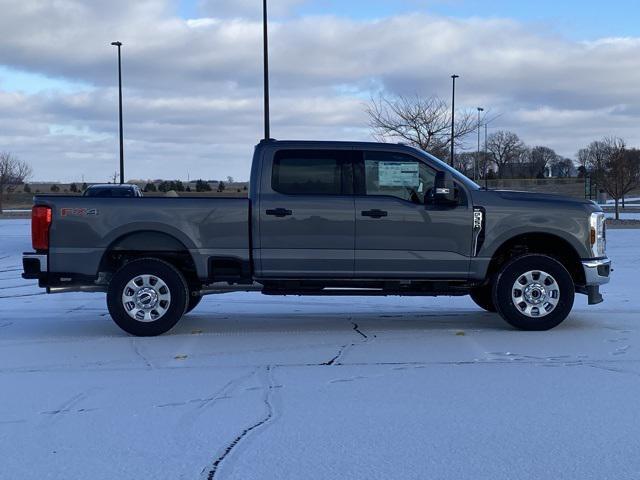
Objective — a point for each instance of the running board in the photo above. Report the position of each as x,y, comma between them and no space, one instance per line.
366,292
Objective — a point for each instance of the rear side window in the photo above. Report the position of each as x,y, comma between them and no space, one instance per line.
312,172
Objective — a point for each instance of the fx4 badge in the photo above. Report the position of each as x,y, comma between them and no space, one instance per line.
78,212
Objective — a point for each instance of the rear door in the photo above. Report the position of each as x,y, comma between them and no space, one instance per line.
398,234
307,220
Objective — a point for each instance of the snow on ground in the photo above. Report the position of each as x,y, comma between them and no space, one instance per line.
625,215
256,387
612,201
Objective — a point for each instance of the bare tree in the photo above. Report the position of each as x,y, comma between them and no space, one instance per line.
504,149
562,167
633,159
537,159
424,123
12,172
615,169
583,159
465,162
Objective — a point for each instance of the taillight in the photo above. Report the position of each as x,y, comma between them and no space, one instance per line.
40,223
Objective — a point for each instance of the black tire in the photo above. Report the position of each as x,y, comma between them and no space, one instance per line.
483,297
503,289
194,300
174,283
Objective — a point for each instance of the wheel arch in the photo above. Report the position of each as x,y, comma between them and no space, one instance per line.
145,243
542,243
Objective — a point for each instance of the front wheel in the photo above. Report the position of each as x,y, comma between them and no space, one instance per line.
533,292
147,297
483,298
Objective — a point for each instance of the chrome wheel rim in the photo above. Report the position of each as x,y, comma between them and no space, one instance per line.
535,294
146,298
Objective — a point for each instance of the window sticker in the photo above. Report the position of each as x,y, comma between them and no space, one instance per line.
398,174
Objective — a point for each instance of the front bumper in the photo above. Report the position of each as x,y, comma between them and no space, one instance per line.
596,273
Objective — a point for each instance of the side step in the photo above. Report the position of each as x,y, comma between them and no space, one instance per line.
370,292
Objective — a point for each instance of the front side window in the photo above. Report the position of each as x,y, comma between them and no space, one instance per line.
397,175
310,172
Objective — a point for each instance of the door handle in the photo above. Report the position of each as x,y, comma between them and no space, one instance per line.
279,212
375,213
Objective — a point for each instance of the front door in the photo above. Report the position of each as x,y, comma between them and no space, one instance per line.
397,234
307,225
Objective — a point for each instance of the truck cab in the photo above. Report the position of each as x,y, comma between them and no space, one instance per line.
327,218
358,211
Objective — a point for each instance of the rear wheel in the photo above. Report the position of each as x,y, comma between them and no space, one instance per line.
483,297
147,297
533,292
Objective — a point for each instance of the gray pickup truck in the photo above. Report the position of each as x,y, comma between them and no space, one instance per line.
326,218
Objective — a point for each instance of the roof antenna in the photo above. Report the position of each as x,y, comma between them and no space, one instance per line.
265,43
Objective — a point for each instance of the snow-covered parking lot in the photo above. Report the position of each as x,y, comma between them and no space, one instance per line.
256,387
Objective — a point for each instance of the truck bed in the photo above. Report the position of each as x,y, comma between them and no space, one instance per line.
84,228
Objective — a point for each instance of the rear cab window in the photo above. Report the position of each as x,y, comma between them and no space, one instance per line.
312,172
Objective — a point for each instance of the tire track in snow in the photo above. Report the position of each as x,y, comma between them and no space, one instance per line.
19,286
23,295
67,406
136,350
227,389
269,386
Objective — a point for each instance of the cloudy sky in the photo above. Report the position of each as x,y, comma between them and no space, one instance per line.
559,73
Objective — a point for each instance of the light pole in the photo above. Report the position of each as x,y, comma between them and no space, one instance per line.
486,182
476,171
119,44
453,113
265,46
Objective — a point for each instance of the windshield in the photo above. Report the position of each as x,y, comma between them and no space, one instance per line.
455,173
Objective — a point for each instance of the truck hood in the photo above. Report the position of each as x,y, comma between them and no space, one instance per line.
518,196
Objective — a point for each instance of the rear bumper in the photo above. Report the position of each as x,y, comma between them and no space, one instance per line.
34,265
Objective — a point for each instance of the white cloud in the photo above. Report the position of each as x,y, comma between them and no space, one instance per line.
246,8
193,87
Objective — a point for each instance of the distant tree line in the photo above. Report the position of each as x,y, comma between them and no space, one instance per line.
13,172
507,156
200,186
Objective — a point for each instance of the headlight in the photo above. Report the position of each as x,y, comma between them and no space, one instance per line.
598,234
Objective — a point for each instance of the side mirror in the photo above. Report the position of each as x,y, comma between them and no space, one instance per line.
443,189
